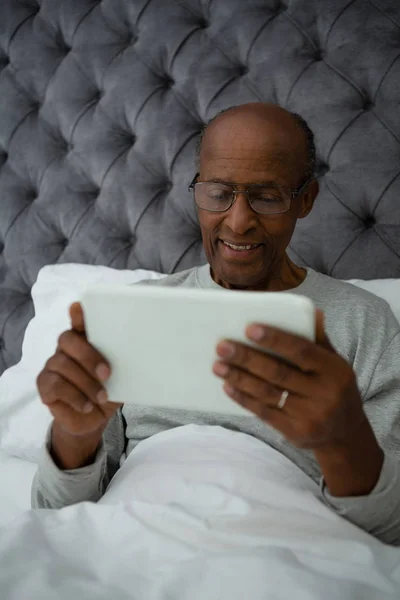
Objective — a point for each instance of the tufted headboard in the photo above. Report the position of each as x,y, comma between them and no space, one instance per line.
101,104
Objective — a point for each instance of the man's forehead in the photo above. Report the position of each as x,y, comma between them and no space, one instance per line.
245,153
268,138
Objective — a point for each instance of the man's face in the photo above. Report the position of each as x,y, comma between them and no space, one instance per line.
246,151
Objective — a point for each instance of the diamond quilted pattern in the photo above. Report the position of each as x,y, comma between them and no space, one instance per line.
101,104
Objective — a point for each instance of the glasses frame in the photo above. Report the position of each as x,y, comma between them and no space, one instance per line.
293,194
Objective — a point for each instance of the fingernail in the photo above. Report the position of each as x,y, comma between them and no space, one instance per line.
102,397
229,389
102,372
221,369
256,333
226,349
88,407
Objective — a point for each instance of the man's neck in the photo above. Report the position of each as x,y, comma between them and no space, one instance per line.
288,277
283,277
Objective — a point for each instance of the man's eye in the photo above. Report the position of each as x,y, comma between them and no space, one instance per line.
218,195
267,198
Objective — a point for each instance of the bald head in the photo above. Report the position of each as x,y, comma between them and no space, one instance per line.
261,131
261,158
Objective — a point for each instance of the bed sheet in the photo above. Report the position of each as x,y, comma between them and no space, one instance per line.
227,519
16,478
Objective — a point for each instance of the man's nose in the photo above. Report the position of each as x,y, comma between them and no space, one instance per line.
240,217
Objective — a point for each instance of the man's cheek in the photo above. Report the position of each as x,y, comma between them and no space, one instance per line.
209,232
207,242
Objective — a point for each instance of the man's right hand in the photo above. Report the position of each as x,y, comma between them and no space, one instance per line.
71,386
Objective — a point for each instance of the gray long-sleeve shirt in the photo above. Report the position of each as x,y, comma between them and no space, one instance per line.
363,330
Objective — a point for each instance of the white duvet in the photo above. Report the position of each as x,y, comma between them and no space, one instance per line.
197,513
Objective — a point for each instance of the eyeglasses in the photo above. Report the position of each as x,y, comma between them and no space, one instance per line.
265,199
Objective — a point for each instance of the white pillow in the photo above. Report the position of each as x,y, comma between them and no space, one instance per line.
23,418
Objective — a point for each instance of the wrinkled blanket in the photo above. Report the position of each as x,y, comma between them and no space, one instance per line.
197,513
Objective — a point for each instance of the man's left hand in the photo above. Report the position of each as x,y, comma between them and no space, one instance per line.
323,411
324,405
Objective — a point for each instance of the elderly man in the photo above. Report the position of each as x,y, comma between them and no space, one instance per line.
335,412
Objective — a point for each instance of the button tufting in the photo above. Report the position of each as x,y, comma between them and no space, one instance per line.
64,243
97,96
62,45
131,39
1,343
1,247
369,222
319,54
280,8
93,194
322,169
168,81
63,145
130,138
203,23
243,70
368,104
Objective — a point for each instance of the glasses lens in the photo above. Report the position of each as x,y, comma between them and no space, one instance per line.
212,196
269,200
217,197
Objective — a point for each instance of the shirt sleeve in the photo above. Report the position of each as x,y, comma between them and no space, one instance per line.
55,488
378,513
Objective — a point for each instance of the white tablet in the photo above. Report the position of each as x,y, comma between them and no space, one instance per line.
160,341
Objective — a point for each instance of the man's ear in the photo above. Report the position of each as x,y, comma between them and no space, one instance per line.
308,197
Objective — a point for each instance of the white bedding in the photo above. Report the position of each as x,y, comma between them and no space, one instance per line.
195,513
15,486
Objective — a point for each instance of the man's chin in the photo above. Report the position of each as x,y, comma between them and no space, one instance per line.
239,276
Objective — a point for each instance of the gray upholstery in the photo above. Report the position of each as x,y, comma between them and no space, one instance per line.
101,103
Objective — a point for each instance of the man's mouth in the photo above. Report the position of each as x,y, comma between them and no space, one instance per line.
232,251
240,247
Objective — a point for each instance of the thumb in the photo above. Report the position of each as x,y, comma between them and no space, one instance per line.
77,319
320,334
